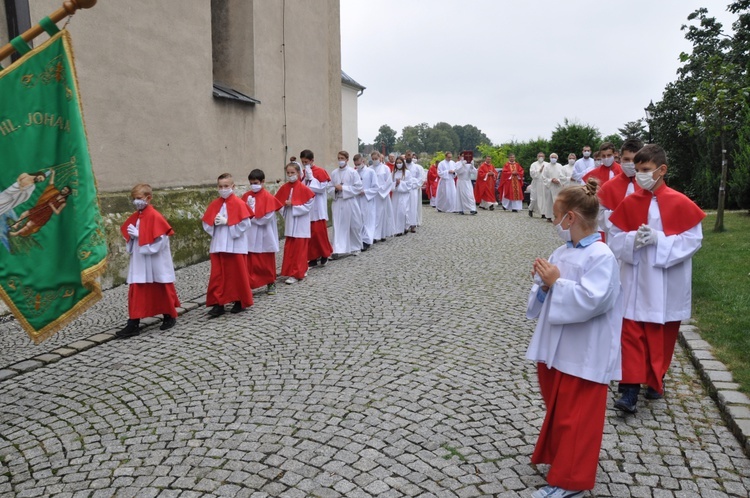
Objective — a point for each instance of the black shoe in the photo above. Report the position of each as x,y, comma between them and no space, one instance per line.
382,240
492,208
168,322
130,330
531,213
323,261
237,308
627,403
439,211
482,207
217,310
544,217
399,234
365,246
413,229
460,212
515,210
473,212
312,263
504,208
652,393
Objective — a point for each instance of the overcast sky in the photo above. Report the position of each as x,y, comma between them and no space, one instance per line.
513,68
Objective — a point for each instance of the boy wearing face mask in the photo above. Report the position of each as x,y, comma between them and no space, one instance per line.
609,167
583,165
298,202
317,179
655,233
263,234
619,187
567,170
226,220
151,277
345,186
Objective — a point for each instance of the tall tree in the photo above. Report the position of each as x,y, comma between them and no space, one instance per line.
414,138
572,137
470,137
634,129
386,139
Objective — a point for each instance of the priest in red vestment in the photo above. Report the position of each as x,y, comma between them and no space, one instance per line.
432,184
484,188
511,185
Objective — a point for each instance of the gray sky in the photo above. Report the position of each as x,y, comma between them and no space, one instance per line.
513,68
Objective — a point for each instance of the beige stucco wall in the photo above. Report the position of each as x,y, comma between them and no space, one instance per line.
349,117
145,73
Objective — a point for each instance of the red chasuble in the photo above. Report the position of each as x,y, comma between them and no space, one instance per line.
484,190
299,191
612,194
511,187
432,181
153,225
678,212
391,166
264,202
602,173
236,210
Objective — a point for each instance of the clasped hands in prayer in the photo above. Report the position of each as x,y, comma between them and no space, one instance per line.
546,272
220,220
645,235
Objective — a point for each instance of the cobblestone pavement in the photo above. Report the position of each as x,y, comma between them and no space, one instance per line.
398,372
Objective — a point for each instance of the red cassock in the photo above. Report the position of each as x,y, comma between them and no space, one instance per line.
261,267
572,431
295,259
647,348
153,298
432,181
612,194
228,281
484,190
602,173
319,245
511,187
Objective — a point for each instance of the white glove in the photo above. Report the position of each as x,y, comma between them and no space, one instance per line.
644,236
251,202
132,231
220,220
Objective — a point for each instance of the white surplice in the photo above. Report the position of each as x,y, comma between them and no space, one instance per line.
367,202
347,216
446,190
383,206
551,189
418,177
580,168
465,202
297,220
319,210
538,198
228,238
656,279
150,263
401,201
580,320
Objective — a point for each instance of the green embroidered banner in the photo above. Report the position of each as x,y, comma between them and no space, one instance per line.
53,244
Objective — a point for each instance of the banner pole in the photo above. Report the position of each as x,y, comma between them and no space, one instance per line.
68,8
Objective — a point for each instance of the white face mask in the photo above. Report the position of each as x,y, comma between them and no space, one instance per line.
376,162
629,169
586,153
646,180
225,192
561,232
140,204
399,165
291,178
342,164
609,161
598,162
571,161
540,160
552,160
256,188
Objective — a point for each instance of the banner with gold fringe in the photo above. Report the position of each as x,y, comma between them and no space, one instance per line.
53,244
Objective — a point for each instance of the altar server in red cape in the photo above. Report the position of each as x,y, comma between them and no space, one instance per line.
317,179
609,167
484,188
655,233
614,191
226,220
432,184
511,185
263,235
151,277
576,343
298,202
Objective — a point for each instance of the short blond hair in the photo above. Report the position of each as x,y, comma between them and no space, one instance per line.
141,188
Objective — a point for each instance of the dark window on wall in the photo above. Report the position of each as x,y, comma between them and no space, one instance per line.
19,18
232,50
